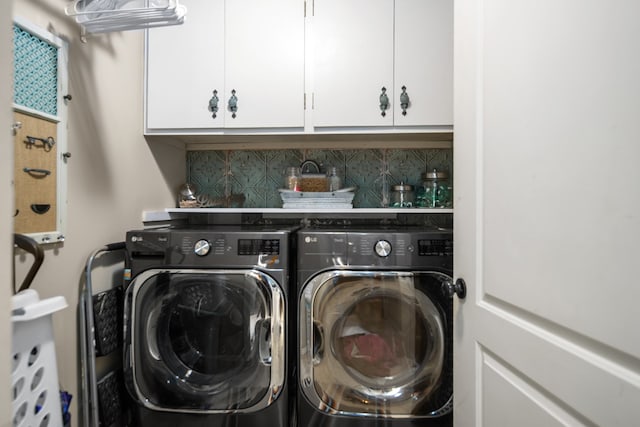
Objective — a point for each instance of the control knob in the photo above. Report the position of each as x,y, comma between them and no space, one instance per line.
382,248
202,247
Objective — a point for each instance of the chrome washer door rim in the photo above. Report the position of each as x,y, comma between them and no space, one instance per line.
276,347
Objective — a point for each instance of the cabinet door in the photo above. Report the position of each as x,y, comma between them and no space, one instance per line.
184,67
353,61
264,63
424,62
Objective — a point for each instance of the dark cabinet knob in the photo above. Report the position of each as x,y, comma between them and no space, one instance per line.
213,104
384,102
233,103
404,100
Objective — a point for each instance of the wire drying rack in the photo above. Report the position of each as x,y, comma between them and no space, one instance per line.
103,16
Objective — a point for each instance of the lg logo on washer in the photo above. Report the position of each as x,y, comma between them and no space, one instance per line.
336,240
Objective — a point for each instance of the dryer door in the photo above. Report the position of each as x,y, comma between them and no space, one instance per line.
376,344
206,341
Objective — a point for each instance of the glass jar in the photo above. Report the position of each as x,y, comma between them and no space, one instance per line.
187,196
402,196
435,191
292,178
335,182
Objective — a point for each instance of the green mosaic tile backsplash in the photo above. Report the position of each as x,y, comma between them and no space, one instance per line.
258,174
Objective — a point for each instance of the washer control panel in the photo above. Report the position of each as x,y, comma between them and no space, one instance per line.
258,246
209,246
202,247
382,248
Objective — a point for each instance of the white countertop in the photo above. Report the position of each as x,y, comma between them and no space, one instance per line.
175,213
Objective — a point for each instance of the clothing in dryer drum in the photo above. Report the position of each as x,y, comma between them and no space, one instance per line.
376,344
203,339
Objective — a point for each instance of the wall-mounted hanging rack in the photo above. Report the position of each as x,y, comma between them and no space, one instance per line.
103,16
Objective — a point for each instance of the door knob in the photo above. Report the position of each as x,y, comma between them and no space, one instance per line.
458,288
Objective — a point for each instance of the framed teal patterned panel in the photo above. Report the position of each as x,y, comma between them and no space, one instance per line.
35,76
40,99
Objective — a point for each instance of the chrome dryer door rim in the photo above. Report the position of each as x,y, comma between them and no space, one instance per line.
364,368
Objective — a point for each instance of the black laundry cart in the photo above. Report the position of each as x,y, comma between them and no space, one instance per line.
100,330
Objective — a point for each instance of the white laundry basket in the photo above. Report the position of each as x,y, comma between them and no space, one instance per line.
36,395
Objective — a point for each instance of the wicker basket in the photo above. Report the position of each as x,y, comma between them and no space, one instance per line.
315,182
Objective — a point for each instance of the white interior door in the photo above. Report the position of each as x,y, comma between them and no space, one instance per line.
547,108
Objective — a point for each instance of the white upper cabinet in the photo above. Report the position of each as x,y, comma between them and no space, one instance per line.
264,62
250,49
184,66
353,61
292,66
423,62
367,50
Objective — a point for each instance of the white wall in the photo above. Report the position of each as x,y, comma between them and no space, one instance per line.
113,174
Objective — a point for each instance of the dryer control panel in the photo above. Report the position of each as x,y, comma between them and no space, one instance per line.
435,247
380,248
398,249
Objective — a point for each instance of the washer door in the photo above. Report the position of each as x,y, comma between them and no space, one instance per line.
207,341
376,344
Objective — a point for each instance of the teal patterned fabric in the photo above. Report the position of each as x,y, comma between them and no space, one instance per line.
258,174
35,72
